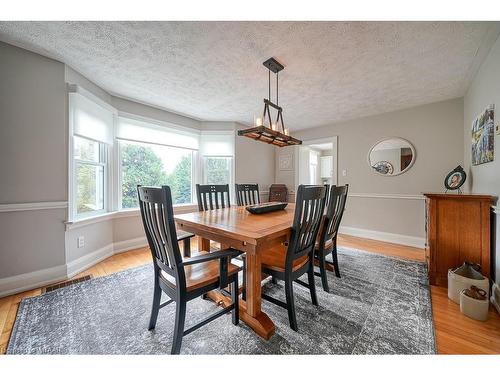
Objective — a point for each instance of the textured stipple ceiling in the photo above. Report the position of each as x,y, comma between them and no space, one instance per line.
213,70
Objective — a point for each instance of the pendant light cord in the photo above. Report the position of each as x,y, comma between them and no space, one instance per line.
277,95
269,83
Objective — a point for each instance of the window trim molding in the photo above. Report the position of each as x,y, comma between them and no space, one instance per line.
76,89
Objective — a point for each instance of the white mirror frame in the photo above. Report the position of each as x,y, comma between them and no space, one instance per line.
395,174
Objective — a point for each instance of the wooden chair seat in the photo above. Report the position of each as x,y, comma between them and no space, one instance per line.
274,259
201,274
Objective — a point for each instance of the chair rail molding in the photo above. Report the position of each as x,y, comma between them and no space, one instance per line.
33,206
388,196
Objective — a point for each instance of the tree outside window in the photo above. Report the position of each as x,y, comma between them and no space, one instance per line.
217,170
154,165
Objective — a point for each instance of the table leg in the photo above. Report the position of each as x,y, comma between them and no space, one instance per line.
250,310
203,244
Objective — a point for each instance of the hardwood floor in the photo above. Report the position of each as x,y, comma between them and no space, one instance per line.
455,333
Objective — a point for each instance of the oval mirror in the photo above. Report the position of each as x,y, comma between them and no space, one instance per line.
391,156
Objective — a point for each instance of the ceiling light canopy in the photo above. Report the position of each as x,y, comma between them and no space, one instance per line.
273,132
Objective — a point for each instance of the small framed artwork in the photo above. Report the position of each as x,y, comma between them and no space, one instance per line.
483,134
455,179
286,162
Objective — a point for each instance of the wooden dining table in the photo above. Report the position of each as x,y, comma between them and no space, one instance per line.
253,234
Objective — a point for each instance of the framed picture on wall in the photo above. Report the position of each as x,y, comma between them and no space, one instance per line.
483,136
285,162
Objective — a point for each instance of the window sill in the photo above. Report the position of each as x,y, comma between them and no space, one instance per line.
178,209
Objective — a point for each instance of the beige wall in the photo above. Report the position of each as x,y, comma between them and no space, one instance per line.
33,127
127,228
33,161
435,130
287,175
97,236
483,91
254,163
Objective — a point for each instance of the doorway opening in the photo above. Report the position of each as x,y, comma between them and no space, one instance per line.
317,162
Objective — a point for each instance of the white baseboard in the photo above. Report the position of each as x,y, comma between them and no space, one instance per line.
399,239
134,243
81,264
32,280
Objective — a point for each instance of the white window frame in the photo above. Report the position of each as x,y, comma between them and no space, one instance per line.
109,169
231,156
204,172
103,162
204,175
194,179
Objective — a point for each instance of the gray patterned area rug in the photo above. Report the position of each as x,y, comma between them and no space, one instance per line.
381,305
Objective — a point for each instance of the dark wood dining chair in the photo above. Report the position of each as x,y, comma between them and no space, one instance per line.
211,197
290,261
327,237
247,194
278,193
182,279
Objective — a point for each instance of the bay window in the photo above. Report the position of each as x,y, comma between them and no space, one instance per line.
111,153
91,138
90,167
155,165
154,155
217,150
217,170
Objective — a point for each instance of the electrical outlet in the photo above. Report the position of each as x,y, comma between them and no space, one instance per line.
344,172
81,241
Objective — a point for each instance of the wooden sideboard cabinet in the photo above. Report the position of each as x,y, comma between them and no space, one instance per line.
458,229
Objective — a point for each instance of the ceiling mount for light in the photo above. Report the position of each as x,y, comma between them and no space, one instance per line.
274,132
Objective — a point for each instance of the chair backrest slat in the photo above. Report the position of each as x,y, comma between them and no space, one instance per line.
308,214
334,211
247,194
158,219
218,194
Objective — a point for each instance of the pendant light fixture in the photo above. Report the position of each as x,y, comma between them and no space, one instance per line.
265,129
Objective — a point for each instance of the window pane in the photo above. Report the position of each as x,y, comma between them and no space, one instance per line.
217,170
153,165
89,188
85,149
